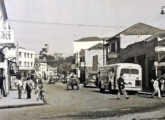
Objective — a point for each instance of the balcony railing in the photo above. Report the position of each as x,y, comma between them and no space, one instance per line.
6,36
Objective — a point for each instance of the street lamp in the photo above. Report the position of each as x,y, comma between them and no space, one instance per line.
162,11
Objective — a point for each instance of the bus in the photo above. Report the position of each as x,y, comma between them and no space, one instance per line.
109,74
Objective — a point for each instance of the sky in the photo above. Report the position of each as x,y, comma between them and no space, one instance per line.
59,22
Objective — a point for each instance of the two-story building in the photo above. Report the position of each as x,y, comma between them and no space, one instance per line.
136,45
26,60
135,33
78,46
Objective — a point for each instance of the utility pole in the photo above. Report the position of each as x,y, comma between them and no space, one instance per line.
103,52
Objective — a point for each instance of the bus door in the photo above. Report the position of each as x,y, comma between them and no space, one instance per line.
127,77
111,76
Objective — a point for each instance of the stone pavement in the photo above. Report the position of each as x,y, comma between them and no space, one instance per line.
12,101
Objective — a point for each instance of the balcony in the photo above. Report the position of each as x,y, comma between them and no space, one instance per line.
6,36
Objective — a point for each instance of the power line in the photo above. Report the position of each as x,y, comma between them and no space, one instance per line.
67,24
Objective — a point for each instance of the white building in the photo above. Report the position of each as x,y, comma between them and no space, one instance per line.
83,44
7,48
96,50
26,59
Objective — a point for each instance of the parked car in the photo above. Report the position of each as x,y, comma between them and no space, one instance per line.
52,80
73,82
91,79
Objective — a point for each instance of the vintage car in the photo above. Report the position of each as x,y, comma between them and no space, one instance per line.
53,79
73,82
91,79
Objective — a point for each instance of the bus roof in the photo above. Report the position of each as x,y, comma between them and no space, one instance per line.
122,64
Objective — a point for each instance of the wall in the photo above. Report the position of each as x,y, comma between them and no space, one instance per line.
126,40
89,57
142,53
78,45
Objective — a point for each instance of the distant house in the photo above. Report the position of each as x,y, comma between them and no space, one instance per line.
133,34
83,44
96,50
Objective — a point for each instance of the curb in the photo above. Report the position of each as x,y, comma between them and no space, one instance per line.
22,105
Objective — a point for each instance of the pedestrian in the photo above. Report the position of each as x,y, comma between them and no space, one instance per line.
19,85
29,87
121,87
2,78
156,88
162,87
24,84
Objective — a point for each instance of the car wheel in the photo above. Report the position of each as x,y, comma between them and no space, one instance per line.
102,90
85,85
77,87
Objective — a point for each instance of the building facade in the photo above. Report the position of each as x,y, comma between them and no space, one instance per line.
26,60
138,47
78,46
7,48
133,34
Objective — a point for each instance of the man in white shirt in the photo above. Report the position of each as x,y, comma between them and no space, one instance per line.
156,88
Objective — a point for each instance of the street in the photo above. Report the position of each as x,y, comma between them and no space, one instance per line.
86,103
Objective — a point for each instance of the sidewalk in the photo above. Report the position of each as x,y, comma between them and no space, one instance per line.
12,101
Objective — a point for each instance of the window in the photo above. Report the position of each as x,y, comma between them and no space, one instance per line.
20,63
31,55
113,47
19,54
28,55
24,63
109,48
28,64
125,71
31,63
25,55
134,71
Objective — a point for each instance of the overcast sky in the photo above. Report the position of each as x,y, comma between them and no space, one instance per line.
59,22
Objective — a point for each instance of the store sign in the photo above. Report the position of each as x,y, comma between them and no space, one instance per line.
159,49
82,64
112,55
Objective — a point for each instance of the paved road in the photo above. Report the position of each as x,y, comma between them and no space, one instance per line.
86,103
